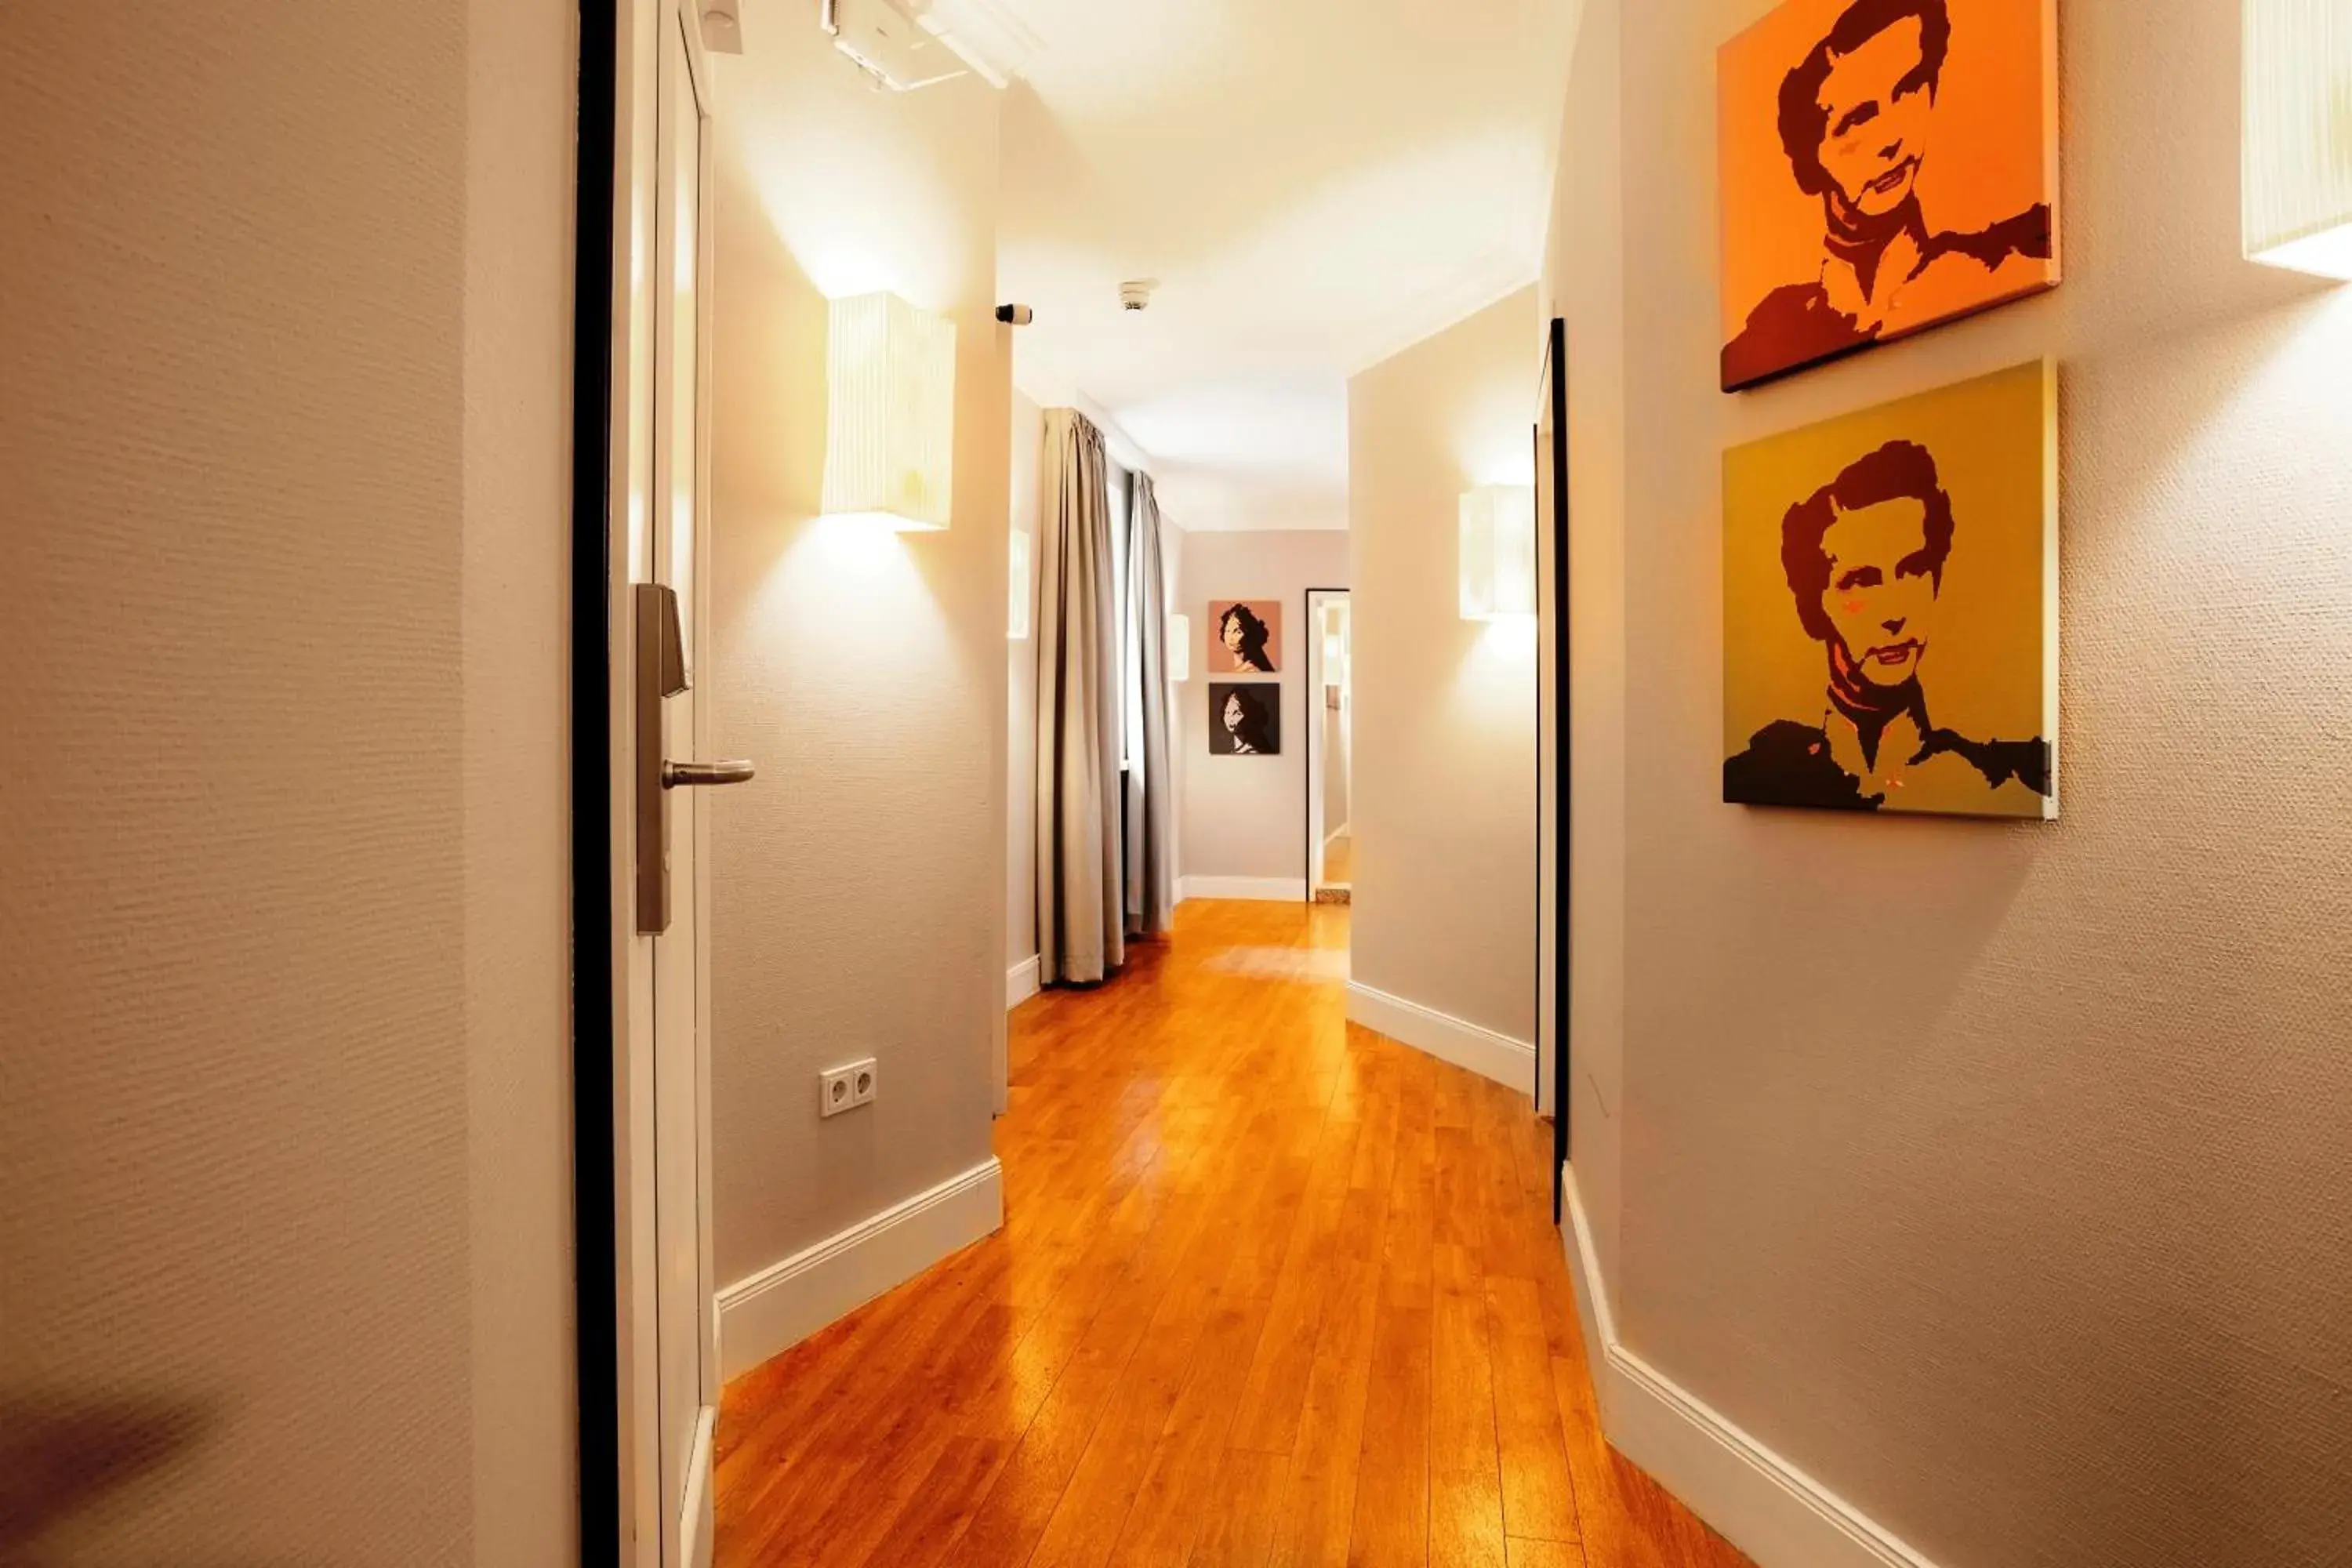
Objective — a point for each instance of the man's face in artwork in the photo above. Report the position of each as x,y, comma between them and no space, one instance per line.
1882,589
1875,105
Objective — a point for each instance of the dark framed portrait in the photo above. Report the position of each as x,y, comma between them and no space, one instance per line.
1244,719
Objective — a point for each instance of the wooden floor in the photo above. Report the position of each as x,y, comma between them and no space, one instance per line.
1271,1290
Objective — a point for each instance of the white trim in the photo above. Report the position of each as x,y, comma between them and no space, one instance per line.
1021,982
1510,1062
696,1515
1764,1505
786,1302
1269,889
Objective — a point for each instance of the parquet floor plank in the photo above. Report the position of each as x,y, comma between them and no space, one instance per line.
1273,1291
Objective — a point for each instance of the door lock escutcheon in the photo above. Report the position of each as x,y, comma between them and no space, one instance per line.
661,674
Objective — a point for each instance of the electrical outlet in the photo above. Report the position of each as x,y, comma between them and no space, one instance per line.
845,1087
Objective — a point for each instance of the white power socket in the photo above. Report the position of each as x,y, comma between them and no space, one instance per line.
845,1087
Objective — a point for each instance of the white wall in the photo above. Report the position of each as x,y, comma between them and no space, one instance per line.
521,95
1246,817
859,900
1445,708
284,964
1584,283
2031,1242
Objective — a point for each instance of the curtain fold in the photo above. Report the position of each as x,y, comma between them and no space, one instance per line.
1081,933
1150,783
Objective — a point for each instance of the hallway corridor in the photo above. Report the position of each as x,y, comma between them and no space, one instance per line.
1271,1290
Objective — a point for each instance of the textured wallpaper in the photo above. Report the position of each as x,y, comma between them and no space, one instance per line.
1445,708
1996,1175
858,900
282,936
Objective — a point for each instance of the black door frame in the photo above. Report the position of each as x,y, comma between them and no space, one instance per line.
595,1219
1554,406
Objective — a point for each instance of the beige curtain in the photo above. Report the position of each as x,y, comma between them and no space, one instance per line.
1080,936
1150,783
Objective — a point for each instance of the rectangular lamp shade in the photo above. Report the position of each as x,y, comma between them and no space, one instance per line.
1016,623
1180,647
2298,135
890,441
1498,552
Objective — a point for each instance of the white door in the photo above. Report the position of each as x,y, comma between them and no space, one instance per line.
685,1360
1331,845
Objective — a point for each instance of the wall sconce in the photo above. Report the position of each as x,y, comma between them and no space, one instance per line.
1180,647
1016,623
1498,552
889,442
2298,135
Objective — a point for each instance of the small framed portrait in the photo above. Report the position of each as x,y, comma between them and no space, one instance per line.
1886,165
1245,636
1244,720
1890,607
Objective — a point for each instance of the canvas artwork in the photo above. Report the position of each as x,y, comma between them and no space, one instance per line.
1890,607
1886,165
1244,720
1245,636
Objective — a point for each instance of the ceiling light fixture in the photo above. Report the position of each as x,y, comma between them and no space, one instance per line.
2298,135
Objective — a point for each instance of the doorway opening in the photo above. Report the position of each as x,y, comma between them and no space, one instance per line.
1331,750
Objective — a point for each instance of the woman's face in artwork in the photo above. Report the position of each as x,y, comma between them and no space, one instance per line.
1231,632
1232,715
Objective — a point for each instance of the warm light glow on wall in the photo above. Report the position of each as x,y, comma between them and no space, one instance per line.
1016,624
1498,552
889,413
2298,135
1180,647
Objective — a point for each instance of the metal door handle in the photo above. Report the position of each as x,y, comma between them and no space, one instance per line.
675,775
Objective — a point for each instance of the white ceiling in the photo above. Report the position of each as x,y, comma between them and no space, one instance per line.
1316,183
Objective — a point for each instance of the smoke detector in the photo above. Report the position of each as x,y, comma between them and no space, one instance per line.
1135,294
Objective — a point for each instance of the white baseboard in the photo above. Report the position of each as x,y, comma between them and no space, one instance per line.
1021,982
1448,1038
1269,889
1757,1501
786,1302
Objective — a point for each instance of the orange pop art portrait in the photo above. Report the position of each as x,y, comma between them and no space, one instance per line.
1887,165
